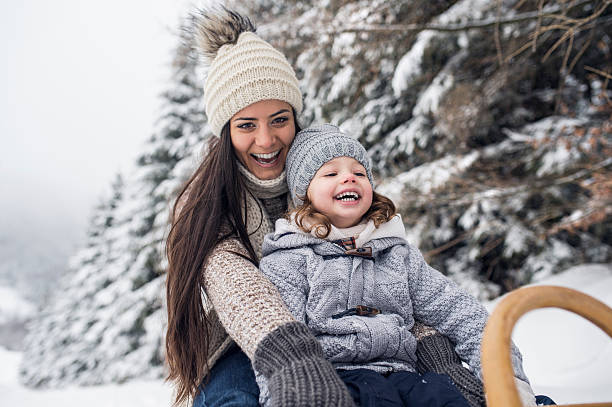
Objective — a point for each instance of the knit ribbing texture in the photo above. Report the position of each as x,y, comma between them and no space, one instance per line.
247,304
245,73
317,280
313,147
436,353
242,305
298,374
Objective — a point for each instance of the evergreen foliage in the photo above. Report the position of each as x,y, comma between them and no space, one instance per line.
499,161
106,324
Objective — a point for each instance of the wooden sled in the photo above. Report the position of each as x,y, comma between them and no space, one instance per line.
497,372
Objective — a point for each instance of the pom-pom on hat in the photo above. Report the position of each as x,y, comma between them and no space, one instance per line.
313,147
244,69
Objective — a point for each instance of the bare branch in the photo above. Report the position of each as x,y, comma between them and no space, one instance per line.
579,54
563,70
518,51
569,33
595,214
568,52
538,25
598,71
498,46
519,4
448,245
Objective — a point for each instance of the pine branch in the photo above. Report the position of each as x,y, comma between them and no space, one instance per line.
467,199
471,25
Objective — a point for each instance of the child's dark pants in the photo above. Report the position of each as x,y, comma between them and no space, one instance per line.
371,389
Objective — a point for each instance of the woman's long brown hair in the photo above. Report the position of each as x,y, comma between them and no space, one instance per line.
214,198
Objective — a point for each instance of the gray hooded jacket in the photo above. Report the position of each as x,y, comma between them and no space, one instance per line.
317,281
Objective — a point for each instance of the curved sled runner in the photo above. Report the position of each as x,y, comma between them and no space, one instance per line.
497,370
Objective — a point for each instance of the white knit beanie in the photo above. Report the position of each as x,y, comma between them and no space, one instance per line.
244,70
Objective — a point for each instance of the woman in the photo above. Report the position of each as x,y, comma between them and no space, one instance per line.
223,313
218,223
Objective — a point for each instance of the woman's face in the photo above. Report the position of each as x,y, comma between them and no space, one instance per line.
261,134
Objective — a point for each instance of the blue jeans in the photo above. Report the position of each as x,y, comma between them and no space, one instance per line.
232,383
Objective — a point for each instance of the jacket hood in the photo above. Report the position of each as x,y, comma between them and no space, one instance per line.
287,235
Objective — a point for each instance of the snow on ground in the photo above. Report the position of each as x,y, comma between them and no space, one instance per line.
565,357
132,394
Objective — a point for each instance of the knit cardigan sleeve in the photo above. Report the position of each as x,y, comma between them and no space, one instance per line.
248,305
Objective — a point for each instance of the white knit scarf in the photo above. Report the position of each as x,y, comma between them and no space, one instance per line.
264,188
257,225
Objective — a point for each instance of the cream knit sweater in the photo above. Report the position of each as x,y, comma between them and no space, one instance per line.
241,303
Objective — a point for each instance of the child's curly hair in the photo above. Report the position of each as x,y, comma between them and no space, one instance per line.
381,211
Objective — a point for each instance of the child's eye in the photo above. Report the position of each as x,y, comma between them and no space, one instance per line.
330,174
360,174
280,120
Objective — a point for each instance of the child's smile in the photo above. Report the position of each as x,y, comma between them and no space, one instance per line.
348,196
342,191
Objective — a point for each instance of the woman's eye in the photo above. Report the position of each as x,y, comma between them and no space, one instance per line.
280,120
246,126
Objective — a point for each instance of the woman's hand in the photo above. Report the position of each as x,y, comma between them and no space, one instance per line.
297,372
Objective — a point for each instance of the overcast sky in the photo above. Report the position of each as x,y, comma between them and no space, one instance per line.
79,86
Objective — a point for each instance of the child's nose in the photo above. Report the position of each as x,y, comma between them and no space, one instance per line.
349,178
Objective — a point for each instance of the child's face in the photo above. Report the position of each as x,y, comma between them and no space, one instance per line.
341,191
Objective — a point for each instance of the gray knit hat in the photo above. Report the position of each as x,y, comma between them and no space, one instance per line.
313,147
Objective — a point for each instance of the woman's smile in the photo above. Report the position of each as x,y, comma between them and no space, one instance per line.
267,160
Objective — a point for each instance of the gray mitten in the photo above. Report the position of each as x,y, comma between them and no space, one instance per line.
436,353
292,361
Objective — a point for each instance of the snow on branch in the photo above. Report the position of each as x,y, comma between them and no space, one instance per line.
463,199
551,13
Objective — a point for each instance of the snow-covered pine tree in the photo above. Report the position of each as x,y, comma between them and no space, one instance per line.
105,322
498,160
494,145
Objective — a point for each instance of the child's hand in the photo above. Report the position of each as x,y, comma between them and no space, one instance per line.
525,393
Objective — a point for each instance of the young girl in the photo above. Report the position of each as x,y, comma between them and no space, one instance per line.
344,268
